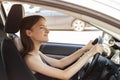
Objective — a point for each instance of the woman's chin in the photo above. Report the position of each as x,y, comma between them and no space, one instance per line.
46,40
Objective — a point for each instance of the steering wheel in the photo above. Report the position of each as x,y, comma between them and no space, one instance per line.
94,60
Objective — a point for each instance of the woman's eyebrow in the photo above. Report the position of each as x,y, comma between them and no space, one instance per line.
43,25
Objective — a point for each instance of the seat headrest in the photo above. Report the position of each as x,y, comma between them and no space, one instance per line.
14,18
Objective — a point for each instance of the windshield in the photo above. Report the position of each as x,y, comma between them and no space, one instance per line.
108,7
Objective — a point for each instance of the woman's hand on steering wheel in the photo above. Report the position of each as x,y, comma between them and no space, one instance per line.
97,48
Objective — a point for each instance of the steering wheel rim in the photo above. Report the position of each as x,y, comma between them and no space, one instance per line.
90,67
84,73
94,60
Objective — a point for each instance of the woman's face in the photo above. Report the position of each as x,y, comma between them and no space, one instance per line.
39,32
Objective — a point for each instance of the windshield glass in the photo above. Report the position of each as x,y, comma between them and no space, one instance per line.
108,7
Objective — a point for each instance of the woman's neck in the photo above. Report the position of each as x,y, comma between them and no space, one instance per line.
36,48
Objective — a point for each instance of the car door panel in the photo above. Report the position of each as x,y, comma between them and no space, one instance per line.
59,50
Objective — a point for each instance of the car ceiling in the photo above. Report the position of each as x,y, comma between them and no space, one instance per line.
102,21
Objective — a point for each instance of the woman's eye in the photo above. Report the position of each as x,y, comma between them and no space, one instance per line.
41,27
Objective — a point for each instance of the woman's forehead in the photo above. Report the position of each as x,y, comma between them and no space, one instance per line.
41,21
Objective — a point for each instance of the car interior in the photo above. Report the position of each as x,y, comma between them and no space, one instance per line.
13,66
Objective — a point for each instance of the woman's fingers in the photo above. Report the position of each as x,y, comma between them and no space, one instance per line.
98,48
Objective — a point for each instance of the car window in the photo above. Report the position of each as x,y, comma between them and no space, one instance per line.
63,28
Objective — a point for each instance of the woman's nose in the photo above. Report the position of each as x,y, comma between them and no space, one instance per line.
47,30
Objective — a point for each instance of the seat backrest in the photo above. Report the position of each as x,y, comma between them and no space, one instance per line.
3,75
15,65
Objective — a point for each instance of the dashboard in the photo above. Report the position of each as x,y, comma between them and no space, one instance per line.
111,48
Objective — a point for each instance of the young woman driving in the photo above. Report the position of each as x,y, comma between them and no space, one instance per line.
34,32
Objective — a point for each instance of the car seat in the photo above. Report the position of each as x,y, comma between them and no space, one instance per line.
15,65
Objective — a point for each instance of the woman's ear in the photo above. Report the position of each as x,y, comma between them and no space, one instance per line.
28,33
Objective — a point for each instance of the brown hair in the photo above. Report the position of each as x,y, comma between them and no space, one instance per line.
26,24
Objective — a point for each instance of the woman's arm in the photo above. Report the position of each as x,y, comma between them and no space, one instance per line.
64,61
69,59
37,65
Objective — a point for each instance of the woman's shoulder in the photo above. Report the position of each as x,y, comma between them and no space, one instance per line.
28,57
